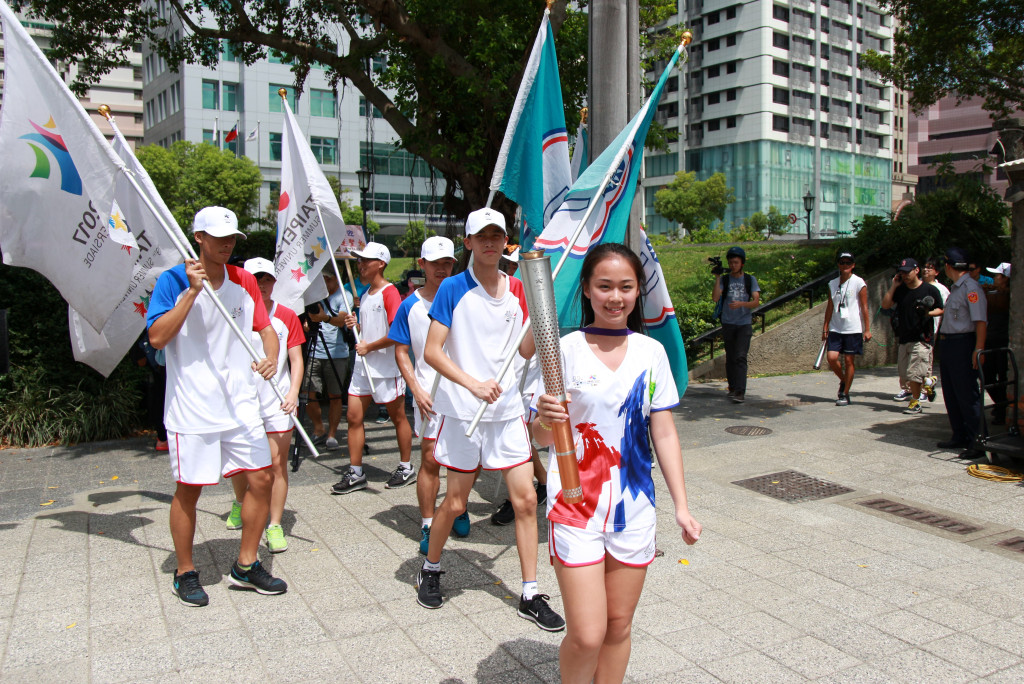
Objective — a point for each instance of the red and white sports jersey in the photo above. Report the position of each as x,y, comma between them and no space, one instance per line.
211,386
410,328
610,413
289,334
481,333
376,311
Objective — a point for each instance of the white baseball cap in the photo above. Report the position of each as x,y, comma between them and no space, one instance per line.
1001,269
216,221
481,218
258,265
437,247
374,250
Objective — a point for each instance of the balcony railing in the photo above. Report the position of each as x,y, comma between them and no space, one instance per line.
838,116
801,25
800,134
694,139
838,40
838,11
870,97
872,120
800,52
838,141
870,145
799,107
799,79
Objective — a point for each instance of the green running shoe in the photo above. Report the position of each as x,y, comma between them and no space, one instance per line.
275,539
235,516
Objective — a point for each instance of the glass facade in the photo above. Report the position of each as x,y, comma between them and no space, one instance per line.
229,97
389,160
275,99
322,103
324,149
210,99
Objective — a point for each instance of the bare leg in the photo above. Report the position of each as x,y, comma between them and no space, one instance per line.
623,585
314,413
279,443
539,471
524,502
183,524
333,416
850,370
454,504
255,507
833,363
239,485
429,481
356,434
586,620
396,411
915,390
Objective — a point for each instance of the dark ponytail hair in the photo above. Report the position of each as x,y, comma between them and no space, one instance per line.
608,250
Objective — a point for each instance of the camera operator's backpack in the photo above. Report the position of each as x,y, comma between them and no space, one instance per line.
748,284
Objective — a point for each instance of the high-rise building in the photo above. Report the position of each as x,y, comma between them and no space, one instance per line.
773,97
203,104
120,89
904,182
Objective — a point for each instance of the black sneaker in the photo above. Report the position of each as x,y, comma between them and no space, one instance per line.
542,494
842,389
738,398
843,400
429,585
188,590
256,578
319,439
400,478
538,610
505,515
350,482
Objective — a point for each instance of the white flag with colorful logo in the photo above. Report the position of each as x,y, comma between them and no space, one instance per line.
57,181
103,349
580,152
532,168
303,249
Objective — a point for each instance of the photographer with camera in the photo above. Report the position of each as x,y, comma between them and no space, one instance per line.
736,295
914,304
329,368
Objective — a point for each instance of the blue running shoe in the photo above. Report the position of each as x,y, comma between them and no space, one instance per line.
188,590
425,539
460,526
256,578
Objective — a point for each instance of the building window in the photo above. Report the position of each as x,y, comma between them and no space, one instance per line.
730,40
322,103
229,97
730,13
713,18
714,98
780,96
780,40
713,45
713,72
730,68
730,94
227,54
714,124
780,68
780,123
210,100
391,161
781,13
377,114
208,137
275,99
730,122
324,149
275,147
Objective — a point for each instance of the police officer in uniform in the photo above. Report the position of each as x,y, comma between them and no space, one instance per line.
961,337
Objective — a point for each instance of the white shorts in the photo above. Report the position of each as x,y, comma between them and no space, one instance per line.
427,431
495,446
277,423
383,391
203,459
575,547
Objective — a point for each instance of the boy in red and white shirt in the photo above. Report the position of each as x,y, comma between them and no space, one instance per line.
377,309
212,411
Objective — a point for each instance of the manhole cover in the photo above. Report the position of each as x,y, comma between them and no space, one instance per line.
748,430
924,517
1013,544
793,487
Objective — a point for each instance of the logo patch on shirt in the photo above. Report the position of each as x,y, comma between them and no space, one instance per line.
511,315
581,381
236,312
972,297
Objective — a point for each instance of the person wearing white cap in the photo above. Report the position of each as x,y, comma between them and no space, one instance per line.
277,416
409,332
477,317
212,410
998,336
377,309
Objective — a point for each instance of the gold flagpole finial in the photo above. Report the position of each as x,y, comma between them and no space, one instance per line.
283,92
550,3
687,37
584,112
104,111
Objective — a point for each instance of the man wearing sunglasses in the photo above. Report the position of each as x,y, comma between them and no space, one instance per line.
847,324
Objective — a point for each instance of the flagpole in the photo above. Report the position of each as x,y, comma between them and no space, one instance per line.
337,274
187,252
687,38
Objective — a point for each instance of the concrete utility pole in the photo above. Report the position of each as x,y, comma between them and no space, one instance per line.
1011,136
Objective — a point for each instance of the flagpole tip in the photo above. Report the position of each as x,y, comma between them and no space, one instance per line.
584,112
283,92
687,38
550,3
104,111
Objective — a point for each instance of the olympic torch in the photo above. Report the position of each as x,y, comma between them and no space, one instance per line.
540,297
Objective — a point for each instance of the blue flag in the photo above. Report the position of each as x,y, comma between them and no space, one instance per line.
580,153
533,164
610,182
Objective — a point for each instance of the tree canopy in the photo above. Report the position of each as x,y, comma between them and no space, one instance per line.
967,48
694,204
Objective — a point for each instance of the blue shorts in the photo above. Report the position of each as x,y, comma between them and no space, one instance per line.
846,343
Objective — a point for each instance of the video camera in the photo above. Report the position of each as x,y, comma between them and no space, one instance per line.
716,265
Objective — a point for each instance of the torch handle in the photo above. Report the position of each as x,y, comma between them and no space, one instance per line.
568,468
821,355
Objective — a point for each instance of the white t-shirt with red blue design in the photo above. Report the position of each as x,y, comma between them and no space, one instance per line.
610,413
211,386
410,328
289,334
482,331
376,311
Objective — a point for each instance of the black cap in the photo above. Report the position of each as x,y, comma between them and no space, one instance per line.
845,255
907,265
736,252
957,258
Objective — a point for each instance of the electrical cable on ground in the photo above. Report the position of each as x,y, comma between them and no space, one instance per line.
994,473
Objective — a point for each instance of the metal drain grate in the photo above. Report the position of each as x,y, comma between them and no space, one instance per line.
1013,544
793,487
748,430
922,516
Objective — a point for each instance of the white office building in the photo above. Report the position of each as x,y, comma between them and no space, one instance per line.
772,97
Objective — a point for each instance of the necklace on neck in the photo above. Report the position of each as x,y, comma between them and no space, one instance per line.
609,332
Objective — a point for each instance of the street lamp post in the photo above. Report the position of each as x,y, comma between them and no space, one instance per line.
363,176
808,207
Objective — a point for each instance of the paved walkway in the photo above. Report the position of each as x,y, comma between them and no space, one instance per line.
827,590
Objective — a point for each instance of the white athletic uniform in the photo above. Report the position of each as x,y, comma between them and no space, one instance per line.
610,413
289,334
376,312
846,318
211,407
410,328
482,330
